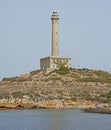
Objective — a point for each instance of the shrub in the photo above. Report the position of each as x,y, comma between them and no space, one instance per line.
34,72
12,79
109,94
63,71
54,79
18,94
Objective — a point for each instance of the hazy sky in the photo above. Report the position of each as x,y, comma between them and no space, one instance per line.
25,33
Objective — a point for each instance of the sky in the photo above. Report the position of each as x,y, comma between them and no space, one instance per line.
25,34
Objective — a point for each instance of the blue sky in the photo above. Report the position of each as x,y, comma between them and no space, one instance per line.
25,34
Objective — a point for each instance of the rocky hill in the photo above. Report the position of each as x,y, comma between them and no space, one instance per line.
58,89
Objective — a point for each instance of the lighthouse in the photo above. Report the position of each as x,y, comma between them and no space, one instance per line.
55,34
54,61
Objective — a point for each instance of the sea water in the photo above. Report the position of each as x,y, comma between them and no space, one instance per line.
53,120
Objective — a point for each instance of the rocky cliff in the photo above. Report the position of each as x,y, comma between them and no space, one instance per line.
60,89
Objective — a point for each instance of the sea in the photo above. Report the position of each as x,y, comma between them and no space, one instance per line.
59,119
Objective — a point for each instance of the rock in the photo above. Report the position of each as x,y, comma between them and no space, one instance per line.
101,110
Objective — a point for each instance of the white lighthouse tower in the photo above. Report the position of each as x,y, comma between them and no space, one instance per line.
55,34
53,62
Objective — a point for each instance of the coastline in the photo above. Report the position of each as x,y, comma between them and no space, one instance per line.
88,107
47,104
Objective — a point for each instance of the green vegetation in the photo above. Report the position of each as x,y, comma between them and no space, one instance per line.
16,79
6,79
4,95
80,75
12,79
91,80
101,73
23,79
54,79
86,75
76,77
63,71
109,95
34,72
18,94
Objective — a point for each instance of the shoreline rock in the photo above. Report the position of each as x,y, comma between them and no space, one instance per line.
44,104
100,110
